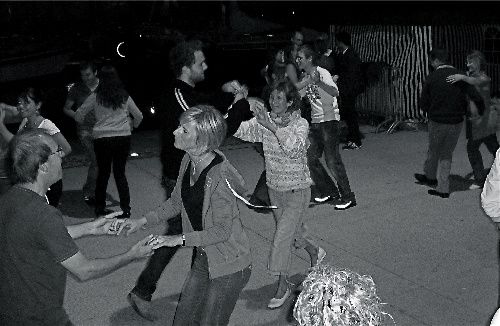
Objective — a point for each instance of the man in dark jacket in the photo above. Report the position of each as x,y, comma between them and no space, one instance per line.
446,105
351,83
187,61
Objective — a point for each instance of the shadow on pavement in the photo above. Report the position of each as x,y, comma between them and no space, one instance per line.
162,308
73,205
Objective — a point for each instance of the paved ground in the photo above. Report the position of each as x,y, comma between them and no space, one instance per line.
434,260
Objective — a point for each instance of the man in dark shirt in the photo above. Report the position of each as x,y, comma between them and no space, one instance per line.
187,61
446,105
350,84
77,94
36,248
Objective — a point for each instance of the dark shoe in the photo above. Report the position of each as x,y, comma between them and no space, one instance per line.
102,212
89,200
351,145
423,180
123,215
345,204
141,307
434,192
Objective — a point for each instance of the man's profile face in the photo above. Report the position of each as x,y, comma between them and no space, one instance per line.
298,39
197,69
88,76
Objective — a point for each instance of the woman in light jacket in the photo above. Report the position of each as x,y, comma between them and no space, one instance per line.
204,197
116,114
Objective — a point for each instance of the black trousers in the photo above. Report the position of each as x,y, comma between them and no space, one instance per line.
146,283
349,115
475,158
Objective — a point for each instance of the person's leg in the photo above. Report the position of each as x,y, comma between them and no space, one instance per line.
323,184
329,135
104,160
288,203
350,117
121,152
86,140
446,154
435,141
476,159
302,237
5,184
491,143
194,292
223,292
146,283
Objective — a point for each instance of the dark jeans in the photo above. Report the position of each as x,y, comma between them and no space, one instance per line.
146,283
350,116
323,184
54,193
206,301
475,158
443,139
324,137
112,151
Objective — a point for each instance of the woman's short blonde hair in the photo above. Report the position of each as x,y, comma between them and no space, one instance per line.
211,127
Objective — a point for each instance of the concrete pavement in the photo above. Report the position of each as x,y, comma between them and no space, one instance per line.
434,260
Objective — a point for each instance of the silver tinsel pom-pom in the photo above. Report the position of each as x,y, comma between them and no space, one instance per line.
332,297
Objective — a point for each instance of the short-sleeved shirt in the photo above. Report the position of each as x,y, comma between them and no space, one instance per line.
33,243
78,93
48,126
324,107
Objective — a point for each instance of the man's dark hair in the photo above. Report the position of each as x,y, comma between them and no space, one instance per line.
27,151
88,64
343,37
182,55
440,54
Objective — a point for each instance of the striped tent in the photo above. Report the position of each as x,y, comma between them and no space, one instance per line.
403,52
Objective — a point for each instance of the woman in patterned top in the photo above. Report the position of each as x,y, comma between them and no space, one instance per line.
283,134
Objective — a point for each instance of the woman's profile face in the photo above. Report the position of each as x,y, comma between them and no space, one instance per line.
186,137
473,64
27,107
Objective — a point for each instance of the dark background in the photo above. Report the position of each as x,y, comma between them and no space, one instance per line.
235,35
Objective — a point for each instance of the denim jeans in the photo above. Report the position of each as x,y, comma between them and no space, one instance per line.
112,151
443,139
146,283
324,137
475,158
290,227
206,301
86,140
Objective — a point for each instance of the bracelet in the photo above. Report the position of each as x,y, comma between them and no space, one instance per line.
183,240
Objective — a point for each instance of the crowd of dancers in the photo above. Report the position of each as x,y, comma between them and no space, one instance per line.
310,89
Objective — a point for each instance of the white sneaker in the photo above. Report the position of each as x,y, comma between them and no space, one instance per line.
474,186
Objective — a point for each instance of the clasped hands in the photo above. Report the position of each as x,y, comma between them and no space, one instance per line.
111,225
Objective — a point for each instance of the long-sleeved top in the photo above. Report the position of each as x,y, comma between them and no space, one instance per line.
110,122
179,97
285,152
445,102
490,196
223,237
